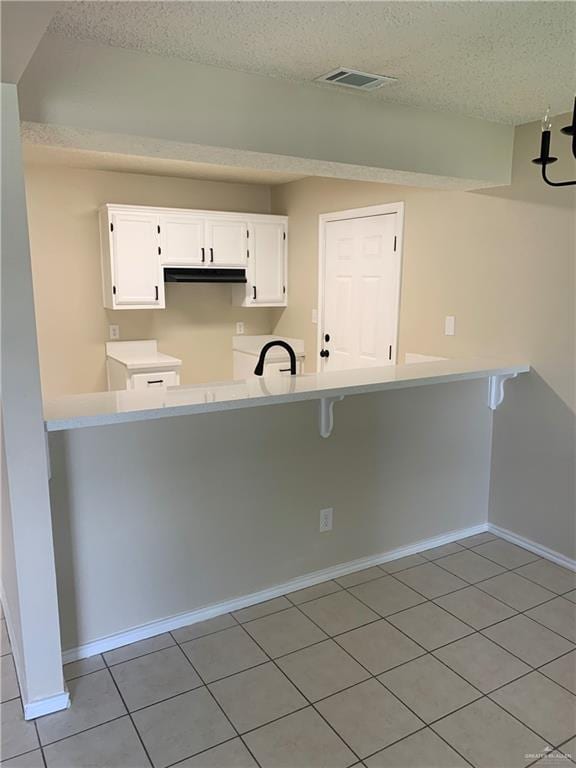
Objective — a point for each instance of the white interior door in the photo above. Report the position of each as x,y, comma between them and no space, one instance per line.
137,274
360,292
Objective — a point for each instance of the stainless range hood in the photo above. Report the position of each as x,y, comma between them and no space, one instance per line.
203,275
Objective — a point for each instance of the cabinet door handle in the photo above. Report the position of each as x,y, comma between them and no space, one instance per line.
156,290
254,292
211,255
155,381
203,255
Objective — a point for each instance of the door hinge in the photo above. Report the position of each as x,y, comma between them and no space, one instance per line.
394,242
284,236
247,233
114,289
111,227
159,250
390,352
254,292
158,228
248,254
284,289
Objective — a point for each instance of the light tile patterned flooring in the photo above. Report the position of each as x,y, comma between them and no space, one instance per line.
463,655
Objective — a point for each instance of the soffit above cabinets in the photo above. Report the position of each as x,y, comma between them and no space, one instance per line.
39,154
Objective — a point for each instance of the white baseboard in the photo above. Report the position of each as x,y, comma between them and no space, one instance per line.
46,706
532,546
145,631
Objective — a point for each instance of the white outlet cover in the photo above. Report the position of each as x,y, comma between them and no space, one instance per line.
450,325
326,519
114,332
239,329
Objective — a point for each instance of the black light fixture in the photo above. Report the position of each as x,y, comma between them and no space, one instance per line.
546,158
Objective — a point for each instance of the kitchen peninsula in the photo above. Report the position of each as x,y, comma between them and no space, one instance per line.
103,408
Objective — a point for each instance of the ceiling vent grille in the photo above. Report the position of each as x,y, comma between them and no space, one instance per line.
354,78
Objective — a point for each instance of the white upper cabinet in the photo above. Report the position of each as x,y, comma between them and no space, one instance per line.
132,276
138,242
226,241
182,240
268,267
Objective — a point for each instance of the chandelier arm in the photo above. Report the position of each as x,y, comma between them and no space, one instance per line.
556,183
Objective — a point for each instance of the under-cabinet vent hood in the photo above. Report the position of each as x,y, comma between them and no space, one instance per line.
203,275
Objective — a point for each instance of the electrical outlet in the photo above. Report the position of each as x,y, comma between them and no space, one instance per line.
450,325
326,519
114,332
239,329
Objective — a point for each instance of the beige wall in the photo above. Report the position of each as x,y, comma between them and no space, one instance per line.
502,262
198,323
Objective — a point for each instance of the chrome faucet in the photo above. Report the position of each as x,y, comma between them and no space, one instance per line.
259,370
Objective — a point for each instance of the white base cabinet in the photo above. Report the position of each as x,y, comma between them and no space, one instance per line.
138,365
138,242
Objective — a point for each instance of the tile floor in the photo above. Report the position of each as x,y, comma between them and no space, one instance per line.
462,655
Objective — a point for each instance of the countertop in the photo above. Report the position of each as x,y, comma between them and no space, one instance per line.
136,355
103,408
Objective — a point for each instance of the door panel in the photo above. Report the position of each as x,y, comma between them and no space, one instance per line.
268,262
137,273
361,288
227,243
182,240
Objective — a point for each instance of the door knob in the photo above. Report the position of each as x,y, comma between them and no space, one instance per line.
324,353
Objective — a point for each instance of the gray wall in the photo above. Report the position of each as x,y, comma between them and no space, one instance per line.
157,518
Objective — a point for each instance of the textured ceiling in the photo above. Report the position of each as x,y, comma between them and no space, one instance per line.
502,61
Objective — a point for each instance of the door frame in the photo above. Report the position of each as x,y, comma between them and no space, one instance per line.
357,213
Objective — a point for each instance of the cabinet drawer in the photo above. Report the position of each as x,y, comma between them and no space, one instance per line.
276,368
156,380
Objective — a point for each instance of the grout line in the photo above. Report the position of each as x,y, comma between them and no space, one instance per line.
202,752
129,713
374,677
309,703
220,707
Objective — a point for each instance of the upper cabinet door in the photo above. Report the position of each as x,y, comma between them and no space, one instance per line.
268,268
227,242
137,277
182,240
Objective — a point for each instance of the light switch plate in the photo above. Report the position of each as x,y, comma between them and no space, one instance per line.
450,325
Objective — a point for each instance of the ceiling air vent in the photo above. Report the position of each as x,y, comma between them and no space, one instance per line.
353,78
